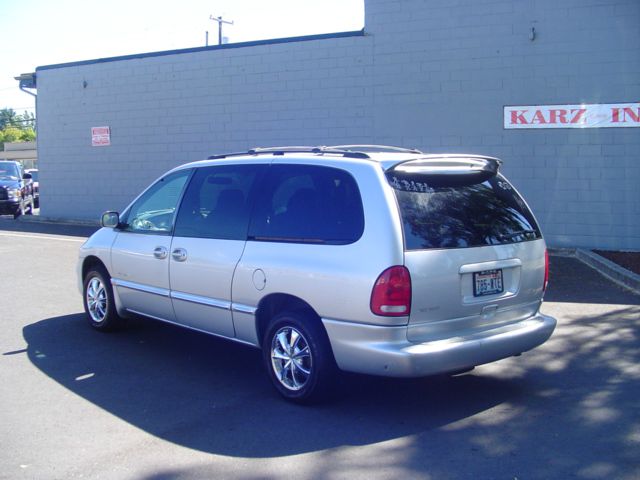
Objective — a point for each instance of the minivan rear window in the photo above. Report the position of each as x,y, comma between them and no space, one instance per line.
455,214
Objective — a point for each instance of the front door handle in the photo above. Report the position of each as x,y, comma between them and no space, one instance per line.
160,252
179,254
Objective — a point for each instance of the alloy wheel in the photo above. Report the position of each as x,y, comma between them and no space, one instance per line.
96,300
291,358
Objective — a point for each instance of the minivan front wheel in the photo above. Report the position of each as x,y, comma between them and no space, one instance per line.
298,357
98,300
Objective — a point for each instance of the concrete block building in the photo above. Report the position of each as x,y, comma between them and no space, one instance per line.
549,87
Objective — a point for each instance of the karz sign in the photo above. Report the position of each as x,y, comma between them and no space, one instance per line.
573,116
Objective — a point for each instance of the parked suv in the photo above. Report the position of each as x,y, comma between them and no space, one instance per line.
16,190
375,260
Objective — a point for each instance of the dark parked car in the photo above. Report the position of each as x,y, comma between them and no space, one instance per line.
16,190
36,186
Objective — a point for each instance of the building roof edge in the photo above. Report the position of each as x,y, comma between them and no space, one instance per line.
227,46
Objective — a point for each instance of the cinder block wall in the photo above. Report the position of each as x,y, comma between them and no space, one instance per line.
444,70
170,109
429,74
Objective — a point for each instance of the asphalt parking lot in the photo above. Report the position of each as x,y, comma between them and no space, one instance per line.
157,402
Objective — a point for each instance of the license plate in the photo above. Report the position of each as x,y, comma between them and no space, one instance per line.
487,282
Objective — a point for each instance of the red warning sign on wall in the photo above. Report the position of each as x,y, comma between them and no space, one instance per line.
100,136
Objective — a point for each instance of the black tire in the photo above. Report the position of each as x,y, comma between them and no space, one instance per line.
36,202
19,211
97,297
307,369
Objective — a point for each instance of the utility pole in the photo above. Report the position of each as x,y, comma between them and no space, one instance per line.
220,22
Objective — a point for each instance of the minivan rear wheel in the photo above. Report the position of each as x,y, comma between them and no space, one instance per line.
298,357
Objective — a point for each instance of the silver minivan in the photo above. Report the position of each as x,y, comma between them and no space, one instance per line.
368,259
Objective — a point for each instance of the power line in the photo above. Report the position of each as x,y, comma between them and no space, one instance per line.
19,108
11,122
220,22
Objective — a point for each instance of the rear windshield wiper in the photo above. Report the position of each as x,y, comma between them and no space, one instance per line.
509,235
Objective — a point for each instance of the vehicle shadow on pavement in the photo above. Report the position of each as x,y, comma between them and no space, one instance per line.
212,395
567,409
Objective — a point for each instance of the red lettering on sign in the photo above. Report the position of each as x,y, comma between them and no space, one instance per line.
634,116
538,117
558,116
517,117
579,116
573,116
615,115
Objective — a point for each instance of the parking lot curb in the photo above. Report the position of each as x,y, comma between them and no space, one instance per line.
58,221
562,252
609,269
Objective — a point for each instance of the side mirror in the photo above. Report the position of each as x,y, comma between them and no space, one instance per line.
110,219
27,176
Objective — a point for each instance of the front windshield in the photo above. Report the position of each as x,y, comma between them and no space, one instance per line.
9,170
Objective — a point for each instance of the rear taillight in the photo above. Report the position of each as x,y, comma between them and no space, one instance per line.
391,295
546,271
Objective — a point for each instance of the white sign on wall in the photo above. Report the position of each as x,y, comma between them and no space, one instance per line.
100,136
609,115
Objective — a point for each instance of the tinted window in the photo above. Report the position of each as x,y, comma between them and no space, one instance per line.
310,204
216,204
155,210
462,215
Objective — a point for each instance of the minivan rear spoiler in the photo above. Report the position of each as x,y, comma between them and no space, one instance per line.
448,164
448,169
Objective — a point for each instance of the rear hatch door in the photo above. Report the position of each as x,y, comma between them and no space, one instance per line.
472,246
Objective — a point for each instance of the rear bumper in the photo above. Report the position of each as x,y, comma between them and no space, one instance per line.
386,351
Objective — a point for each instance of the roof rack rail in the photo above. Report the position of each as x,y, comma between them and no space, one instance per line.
375,148
296,149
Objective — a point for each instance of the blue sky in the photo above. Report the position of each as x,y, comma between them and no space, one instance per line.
41,32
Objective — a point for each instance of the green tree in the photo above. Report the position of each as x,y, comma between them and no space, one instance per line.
27,120
11,134
8,117
15,127
28,135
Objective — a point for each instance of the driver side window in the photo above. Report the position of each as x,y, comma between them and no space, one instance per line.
155,210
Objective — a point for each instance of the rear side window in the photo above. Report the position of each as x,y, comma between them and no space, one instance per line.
308,204
216,203
459,214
